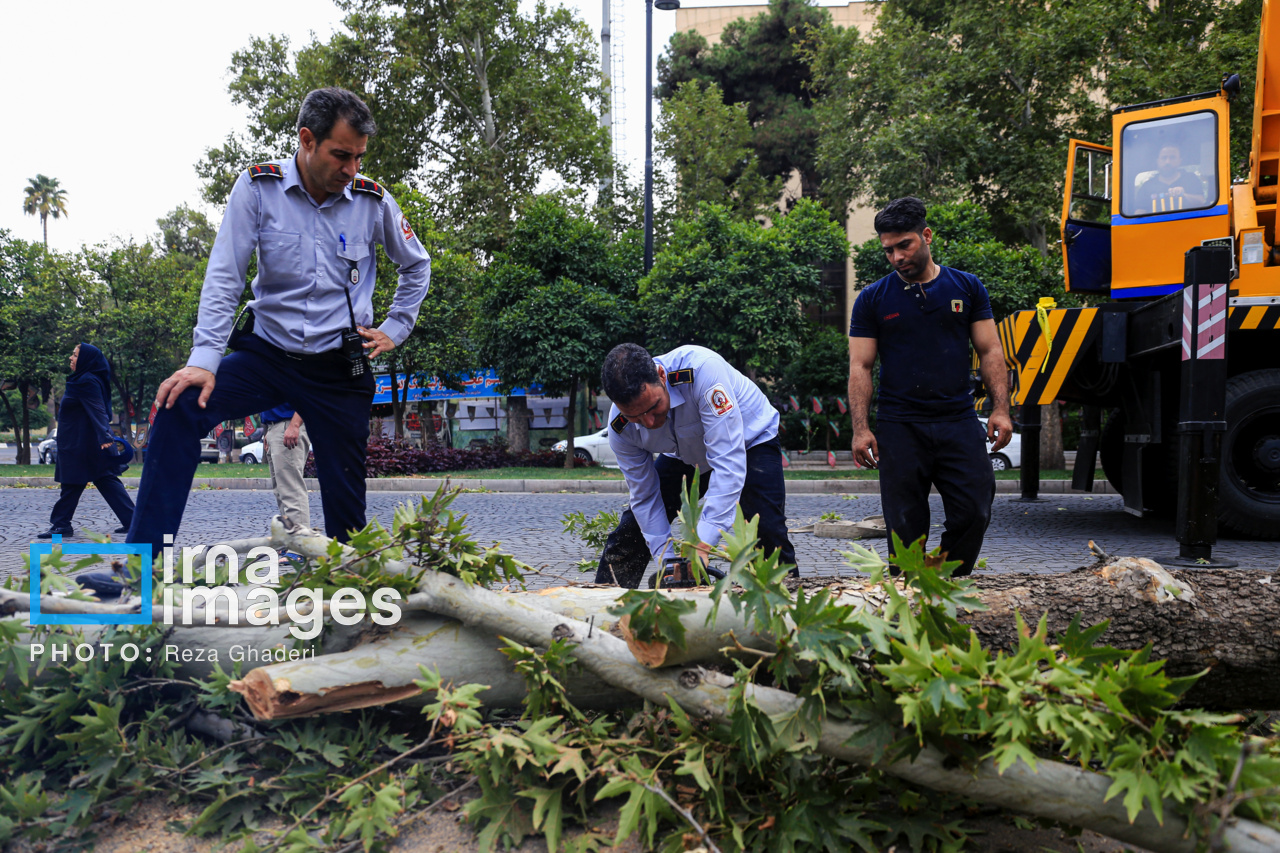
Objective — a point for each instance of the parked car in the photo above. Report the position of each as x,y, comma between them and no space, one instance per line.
1010,456
48,449
251,454
209,449
593,447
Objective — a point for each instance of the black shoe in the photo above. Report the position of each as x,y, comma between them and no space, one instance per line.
121,530
56,531
668,580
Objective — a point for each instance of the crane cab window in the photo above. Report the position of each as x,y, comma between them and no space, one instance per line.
1167,165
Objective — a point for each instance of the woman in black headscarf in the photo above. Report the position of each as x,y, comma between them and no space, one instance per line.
87,451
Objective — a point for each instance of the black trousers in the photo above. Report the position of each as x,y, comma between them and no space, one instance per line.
951,457
257,377
112,492
626,553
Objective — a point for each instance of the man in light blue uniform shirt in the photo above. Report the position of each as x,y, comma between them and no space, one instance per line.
306,337
692,407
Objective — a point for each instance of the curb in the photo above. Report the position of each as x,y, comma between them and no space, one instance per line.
618,487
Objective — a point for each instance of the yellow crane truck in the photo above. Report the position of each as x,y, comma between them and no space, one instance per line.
1181,343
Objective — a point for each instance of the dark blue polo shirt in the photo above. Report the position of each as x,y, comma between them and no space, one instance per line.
282,412
922,337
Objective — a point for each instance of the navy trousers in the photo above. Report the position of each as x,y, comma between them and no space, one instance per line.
626,553
951,457
112,492
257,377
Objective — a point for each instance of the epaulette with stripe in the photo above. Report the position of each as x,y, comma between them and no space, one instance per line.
266,170
618,423
365,185
680,377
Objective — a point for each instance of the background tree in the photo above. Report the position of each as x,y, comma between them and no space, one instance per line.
975,99
38,316
958,100
757,63
143,307
738,287
820,369
44,198
1179,47
709,143
555,301
439,345
477,102
186,232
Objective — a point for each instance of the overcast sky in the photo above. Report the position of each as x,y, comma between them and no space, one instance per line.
118,101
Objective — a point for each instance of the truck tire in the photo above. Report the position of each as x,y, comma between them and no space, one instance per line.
1250,478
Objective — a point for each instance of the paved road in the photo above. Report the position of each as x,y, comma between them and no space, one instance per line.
1042,537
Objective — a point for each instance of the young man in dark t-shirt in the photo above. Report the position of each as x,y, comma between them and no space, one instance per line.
920,319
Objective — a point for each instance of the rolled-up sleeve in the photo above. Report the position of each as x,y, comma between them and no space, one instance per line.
414,265
224,278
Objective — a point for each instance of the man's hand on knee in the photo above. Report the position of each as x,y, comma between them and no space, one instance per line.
188,377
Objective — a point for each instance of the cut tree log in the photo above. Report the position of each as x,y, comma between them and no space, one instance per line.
1225,623
1052,790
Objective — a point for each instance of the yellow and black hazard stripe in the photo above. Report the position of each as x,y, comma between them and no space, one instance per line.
1036,371
1244,318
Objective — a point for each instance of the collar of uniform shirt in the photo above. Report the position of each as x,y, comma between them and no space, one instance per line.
293,178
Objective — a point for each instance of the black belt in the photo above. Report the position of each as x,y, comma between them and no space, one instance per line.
327,355
254,341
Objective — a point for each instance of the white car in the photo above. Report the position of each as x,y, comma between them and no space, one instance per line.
251,454
48,449
1010,456
593,447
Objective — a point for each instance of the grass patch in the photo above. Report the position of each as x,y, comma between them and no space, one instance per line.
206,469
235,469
523,473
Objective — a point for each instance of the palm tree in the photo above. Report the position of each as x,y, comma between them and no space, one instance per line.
46,199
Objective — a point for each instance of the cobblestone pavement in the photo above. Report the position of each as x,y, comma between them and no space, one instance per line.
1039,537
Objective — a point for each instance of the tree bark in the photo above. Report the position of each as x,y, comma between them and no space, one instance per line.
1228,627
1051,451
23,430
13,416
573,416
518,424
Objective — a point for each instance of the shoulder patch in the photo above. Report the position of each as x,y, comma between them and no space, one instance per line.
618,423
719,400
365,185
266,170
683,376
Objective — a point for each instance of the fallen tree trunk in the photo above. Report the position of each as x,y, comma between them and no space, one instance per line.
1139,592
1052,790
1223,622
1228,626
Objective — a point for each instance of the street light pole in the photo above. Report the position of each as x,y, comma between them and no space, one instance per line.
666,6
648,136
